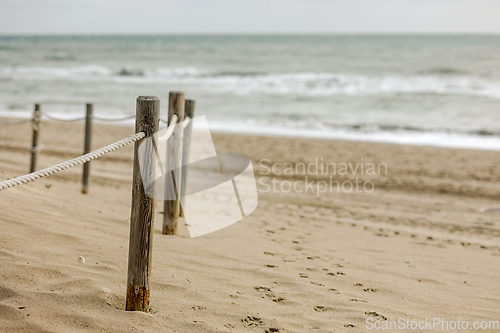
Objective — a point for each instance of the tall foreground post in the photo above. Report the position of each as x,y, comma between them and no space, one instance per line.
188,112
171,208
37,114
86,149
142,215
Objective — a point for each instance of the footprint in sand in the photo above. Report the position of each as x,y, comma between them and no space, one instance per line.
198,307
252,321
320,308
376,315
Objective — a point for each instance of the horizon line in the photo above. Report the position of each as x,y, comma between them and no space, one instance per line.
36,34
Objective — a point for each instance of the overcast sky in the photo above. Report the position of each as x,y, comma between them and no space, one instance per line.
258,16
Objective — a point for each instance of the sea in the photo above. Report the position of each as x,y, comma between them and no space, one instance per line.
437,90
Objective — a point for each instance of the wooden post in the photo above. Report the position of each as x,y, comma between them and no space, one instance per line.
142,215
36,133
86,149
171,208
188,112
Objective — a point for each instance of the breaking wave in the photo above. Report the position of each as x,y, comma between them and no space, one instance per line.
242,83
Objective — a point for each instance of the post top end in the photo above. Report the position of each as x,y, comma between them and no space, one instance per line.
148,98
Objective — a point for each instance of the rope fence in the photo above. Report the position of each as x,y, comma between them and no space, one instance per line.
147,122
54,118
18,122
51,117
71,163
104,119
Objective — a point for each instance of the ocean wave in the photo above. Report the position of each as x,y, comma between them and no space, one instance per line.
444,71
130,72
436,138
400,134
60,56
367,128
24,72
243,83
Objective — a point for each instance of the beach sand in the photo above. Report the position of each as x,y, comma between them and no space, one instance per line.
423,244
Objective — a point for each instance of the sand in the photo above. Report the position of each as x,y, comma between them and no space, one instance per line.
424,244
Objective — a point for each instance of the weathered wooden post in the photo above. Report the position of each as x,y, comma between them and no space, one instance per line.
86,149
174,157
142,214
188,112
35,123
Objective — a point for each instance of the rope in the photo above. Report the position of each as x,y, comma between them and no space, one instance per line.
60,119
170,128
18,122
186,120
71,163
111,119
35,149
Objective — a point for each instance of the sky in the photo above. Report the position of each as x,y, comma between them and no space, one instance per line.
249,16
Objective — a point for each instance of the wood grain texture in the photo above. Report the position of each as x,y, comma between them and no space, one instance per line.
86,148
142,214
37,114
188,112
171,208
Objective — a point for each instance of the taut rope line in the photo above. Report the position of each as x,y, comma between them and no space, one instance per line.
85,158
18,122
71,163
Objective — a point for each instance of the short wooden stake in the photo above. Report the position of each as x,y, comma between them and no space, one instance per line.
37,114
86,149
142,214
188,112
171,208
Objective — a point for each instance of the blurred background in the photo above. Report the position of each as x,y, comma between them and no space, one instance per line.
402,71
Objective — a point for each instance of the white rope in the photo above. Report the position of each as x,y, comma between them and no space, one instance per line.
170,129
186,120
51,117
71,163
112,119
61,119
19,122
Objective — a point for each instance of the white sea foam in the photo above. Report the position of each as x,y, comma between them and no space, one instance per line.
296,84
24,72
436,139
373,133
